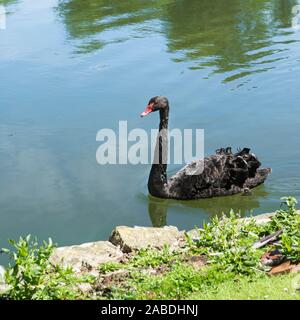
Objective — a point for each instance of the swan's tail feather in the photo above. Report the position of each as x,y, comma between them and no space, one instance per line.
229,150
220,151
242,166
224,151
242,152
224,173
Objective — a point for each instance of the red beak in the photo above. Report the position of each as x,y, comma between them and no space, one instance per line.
148,110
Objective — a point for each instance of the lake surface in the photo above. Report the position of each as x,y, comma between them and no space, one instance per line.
71,68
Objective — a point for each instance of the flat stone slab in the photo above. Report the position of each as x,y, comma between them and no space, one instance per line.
262,218
86,257
265,217
132,239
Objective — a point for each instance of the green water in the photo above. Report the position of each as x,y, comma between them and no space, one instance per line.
71,68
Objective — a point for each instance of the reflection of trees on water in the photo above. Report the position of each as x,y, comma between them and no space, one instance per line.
158,208
89,20
223,36
282,11
8,2
227,35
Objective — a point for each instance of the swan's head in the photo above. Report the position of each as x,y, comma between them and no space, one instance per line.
156,104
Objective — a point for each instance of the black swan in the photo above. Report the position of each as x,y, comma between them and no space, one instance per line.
225,173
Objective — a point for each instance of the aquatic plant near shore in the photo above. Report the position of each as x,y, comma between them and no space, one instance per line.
33,277
228,242
287,219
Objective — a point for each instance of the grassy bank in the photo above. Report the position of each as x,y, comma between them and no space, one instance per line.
224,261
187,278
263,288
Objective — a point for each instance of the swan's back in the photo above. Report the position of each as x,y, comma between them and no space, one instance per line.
223,173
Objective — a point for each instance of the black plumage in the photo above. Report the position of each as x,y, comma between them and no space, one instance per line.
224,173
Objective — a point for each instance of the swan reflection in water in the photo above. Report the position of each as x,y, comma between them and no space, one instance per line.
158,208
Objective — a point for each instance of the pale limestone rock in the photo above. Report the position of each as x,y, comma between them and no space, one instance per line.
86,257
263,218
266,217
132,239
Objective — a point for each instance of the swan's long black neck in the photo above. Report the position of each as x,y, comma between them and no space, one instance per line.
157,183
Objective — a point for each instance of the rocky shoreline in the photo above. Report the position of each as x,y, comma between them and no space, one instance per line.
87,257
126,243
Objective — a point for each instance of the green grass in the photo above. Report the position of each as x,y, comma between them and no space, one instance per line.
185,282
177,283
265,288
110,267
